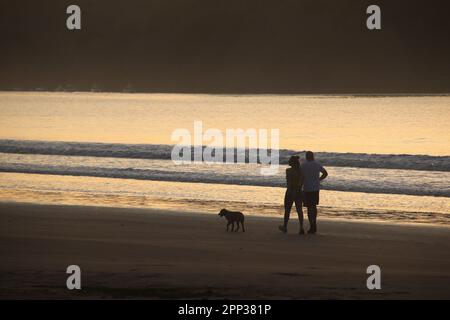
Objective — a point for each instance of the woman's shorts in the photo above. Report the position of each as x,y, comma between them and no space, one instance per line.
294,195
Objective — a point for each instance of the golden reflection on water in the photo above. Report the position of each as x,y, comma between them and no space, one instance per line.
411,125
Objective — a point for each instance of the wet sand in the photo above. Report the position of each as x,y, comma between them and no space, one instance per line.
157,254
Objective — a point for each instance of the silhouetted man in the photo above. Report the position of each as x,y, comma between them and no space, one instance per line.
311,170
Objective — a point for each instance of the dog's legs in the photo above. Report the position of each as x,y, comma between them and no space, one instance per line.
232,226
228,225
237,224
242,223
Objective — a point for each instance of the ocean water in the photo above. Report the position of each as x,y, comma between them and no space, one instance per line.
388,157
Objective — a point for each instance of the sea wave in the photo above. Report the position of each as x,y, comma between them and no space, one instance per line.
161,151
408,182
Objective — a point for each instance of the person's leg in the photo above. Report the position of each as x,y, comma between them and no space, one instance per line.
316,202
308,204
288,201
314,218
310,219
298,207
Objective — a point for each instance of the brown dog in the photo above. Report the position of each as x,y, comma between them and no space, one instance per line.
232,217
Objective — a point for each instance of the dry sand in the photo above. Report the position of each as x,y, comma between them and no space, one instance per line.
134,253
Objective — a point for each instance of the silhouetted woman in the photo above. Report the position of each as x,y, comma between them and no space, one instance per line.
294,182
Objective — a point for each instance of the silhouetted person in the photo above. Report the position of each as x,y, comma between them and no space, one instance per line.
294,181
311,170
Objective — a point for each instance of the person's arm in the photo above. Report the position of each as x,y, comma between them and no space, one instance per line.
324,174
302,178
287,178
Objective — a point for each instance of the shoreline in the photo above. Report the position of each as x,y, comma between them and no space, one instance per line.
326,213
275,218
165,254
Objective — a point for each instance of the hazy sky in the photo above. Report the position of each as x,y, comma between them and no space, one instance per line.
229,46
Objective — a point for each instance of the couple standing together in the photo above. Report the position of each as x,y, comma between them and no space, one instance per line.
303,186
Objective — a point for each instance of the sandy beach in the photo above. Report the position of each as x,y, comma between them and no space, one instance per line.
154,254
127,126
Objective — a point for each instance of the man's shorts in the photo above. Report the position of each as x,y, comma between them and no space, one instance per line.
311,198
